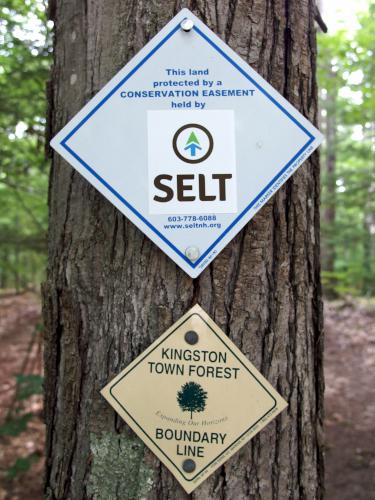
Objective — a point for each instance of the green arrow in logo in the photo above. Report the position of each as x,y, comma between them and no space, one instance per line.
192,138
192,144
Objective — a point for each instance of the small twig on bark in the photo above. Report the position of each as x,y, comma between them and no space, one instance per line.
319,20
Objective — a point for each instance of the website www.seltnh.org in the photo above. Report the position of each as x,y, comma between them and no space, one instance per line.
194,225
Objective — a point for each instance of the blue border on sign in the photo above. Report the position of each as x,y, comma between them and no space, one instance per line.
133,209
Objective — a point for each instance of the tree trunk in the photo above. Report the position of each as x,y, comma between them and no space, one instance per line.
329,214
368,249
110,292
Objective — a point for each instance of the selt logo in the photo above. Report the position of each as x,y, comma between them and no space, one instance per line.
193,143
191,162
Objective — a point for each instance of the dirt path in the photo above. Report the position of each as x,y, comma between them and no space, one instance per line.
350,399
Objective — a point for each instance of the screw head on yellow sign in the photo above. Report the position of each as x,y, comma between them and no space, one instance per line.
193,398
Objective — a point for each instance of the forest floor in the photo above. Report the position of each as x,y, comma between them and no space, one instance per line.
21,456
350,399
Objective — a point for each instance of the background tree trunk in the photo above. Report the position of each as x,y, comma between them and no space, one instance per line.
329,214
110,292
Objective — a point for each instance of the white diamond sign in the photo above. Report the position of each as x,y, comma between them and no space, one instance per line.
188,142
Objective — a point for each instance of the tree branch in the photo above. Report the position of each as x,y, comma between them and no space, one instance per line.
318,18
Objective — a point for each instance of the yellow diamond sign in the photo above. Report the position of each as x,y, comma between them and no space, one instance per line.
193,398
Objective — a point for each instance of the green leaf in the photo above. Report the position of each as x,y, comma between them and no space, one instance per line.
15,425
28,385
22,465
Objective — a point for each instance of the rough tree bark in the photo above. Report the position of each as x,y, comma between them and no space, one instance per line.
110,292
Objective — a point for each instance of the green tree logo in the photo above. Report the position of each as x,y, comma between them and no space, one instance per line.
192,144
192,397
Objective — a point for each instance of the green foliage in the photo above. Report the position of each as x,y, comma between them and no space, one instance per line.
24,67
28,385
338,283
16,421
347,81
22,465
15,425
